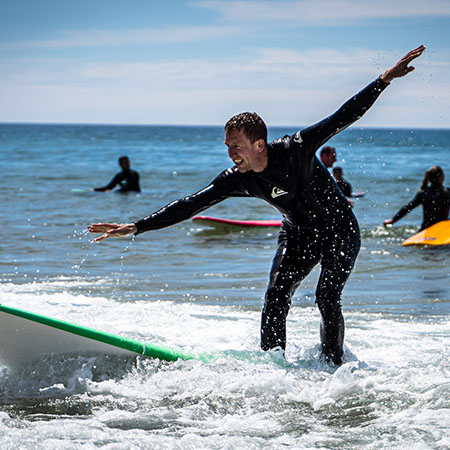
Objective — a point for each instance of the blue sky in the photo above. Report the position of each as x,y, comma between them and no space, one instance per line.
202,61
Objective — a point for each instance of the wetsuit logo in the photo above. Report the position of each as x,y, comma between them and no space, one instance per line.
298,138
277,192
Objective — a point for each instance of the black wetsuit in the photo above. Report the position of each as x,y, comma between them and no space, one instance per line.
435,201
127,179
345,187
318,223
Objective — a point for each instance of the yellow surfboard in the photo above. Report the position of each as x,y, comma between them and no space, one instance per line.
437,234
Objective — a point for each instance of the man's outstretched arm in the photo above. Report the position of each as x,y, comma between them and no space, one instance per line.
225,185
356,107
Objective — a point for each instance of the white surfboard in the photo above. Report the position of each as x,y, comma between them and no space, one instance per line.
26,337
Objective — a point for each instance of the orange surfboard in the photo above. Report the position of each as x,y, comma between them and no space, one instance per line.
437,234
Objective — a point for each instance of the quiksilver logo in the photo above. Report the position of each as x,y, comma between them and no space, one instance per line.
298,137
277,192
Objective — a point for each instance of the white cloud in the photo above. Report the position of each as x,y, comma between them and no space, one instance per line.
101,38
313,12
268,67
284,86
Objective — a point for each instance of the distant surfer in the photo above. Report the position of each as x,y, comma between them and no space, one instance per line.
127,179
328,157
432,195
318,223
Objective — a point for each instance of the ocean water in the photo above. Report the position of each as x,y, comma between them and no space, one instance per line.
201,290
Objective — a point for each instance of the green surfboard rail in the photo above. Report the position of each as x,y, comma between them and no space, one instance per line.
149,350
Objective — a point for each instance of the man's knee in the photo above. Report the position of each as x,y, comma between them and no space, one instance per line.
330,308
277,301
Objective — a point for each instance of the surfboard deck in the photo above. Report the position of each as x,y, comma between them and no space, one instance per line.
26,337
437,234
221,222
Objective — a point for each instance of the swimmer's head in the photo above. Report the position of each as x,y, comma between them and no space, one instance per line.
124,162
434,175
328,156
337,172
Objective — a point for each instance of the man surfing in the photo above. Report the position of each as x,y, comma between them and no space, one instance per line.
318,223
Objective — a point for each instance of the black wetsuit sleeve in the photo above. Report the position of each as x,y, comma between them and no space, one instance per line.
112,184
352,110
222,187
404,210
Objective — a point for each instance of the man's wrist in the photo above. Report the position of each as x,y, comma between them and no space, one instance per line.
385,78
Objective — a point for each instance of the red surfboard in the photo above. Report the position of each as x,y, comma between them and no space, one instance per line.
218,221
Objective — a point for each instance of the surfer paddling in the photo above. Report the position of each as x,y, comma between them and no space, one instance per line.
318,223
127,179
432,195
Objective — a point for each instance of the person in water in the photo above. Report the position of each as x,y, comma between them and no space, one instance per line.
432,195
342,183
318,223
127,178
328,156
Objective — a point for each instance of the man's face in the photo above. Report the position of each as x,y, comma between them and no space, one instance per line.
246,155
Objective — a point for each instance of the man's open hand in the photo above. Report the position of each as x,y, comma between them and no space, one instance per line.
401,68
112,230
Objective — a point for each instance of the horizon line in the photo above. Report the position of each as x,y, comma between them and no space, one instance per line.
118,124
